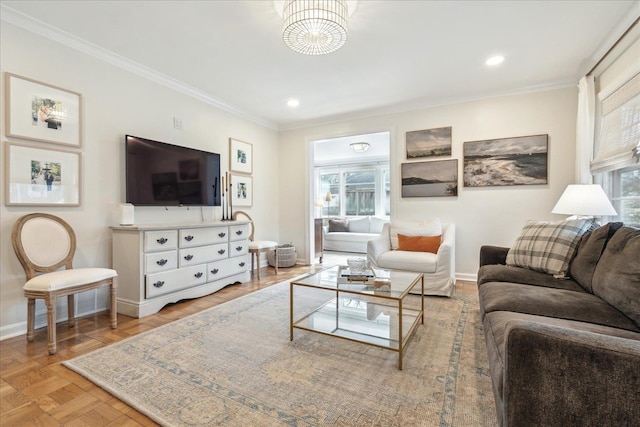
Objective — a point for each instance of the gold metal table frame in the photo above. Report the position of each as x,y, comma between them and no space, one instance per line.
357,311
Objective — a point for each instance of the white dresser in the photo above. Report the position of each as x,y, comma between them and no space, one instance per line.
162,264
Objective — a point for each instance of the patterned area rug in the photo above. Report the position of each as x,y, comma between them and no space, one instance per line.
233,365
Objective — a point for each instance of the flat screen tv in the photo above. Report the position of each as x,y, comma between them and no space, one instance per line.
161,174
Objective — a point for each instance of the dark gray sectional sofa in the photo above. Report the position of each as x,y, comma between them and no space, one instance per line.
566,352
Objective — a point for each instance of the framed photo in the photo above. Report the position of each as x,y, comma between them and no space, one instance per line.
428,143
41,112
430,179
41,177
520,160
241,190
240,156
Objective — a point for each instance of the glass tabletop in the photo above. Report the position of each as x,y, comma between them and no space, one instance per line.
384,283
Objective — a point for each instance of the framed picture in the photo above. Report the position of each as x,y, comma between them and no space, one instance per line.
41,176
240,156
520,160
41,112
428,143
430,179
241,190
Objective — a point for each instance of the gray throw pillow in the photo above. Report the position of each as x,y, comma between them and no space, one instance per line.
617,276
338,225
548,246
589,252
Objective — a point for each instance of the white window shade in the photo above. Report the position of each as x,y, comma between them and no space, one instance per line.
619,141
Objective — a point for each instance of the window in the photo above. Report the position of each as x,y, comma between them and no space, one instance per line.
617,119
625,195
355,190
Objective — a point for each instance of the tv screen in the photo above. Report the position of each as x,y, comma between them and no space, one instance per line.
161,174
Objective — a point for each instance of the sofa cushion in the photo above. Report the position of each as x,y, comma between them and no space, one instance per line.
617,276
557,303
423,262
359,225
548,246
589,251
419,243
509,273
431,227
495,326
338,225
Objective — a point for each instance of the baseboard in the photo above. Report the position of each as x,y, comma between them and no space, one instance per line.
467,277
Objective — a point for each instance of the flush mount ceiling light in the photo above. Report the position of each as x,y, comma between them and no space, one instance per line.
359,147
315,27
495,60
292,102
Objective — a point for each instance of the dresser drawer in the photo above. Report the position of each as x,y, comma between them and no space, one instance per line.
160,240
239,232
174,280
201,254
238,248
189,237
227,267
160,261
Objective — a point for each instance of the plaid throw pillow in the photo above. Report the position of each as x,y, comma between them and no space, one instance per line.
548,246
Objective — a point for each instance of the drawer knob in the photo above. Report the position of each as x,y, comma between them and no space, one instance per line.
161,262
242,264
188,238
239,232
222,234
221,251
238,248
159,284
188,257
214,271
162,240
198,274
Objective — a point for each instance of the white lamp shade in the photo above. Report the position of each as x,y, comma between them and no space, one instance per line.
584,200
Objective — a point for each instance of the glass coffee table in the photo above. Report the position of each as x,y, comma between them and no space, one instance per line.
374,311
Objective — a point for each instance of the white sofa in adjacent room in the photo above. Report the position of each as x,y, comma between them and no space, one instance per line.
438,268
351,234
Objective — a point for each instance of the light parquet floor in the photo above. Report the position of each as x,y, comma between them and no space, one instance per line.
36,390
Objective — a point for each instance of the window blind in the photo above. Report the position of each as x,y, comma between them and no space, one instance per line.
619,142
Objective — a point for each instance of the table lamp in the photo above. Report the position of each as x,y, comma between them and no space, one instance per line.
584,201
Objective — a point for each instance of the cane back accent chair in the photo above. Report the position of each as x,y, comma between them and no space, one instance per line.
45,243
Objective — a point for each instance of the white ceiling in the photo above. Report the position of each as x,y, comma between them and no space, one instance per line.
400,55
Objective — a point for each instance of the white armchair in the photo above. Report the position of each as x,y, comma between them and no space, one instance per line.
438,269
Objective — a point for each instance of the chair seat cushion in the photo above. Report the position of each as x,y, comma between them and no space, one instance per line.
262,244
64,279
422,262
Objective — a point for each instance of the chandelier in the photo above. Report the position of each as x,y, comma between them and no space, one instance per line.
315,27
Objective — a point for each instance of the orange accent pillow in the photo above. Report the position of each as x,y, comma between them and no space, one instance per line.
419,243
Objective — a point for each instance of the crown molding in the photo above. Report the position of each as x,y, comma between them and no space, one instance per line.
57,35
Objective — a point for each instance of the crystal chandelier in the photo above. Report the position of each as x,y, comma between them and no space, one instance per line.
315,27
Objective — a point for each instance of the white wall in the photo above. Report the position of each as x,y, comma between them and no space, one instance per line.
117,102
488,215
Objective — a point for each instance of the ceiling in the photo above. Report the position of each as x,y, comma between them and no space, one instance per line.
399,55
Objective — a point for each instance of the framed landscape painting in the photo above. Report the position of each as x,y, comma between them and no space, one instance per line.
240,156
41,112
41,177
507,161
428,143
430,179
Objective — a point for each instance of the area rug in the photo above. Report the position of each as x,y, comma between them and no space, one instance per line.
234,365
